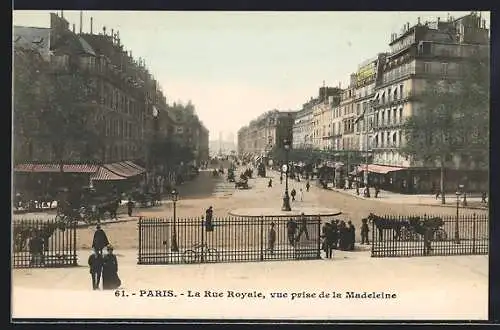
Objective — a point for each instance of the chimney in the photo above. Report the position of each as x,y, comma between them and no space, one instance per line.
104,30
418,20
73,27
62,13
91,25
81,20
118,37
439,19
112,36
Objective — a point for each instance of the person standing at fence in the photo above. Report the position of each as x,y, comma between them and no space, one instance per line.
364,231
352,235
100,240
329,239
130,207
428,233
291,229
303,227
95,264
36,245
335,233
271,238
110,279
209,213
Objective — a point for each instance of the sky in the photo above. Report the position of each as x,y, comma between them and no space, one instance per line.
234,66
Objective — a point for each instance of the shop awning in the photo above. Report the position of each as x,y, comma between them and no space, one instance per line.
380,169
124,169
103,174
139,168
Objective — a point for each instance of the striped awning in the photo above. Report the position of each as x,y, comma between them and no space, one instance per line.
124,169
140,168
380,169
103,174
23,168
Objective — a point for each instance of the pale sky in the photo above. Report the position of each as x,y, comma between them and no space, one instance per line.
235,66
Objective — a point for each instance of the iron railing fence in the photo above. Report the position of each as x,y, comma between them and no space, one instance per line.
424,235
232,239
40,243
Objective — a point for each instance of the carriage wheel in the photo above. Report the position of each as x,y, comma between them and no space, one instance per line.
190,257
406,235
440,235
212,255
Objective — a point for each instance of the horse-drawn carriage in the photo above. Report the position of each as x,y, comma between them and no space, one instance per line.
241,184
410,229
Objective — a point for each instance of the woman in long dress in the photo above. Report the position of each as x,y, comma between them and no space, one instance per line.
110,279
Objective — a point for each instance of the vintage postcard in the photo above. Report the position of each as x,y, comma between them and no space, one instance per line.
250,165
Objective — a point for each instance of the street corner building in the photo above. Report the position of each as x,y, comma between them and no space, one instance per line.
81,98
359,130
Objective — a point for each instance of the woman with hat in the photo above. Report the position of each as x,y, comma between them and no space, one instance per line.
110,279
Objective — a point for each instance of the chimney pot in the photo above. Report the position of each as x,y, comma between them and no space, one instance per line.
73,28
91,25
104,30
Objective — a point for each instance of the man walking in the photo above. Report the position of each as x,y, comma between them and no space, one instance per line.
209,213
100,240
95,265
293,193
130,207
308,185
270,183
301,195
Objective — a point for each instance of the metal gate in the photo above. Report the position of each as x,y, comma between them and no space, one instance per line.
406,236
43,243
230,239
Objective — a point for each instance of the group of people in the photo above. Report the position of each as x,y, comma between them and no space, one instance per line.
105,266
339,235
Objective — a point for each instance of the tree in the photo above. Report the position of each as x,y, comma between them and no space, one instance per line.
452,119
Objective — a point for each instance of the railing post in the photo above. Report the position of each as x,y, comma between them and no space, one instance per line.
373,238
139,225
474,233
261,238
203,230
318,254
75,257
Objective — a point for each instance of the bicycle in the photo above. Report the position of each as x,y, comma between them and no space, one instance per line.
198,251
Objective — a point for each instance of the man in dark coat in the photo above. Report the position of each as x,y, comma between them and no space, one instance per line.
352,236
95,266
130,207
36,246
271,239
308,185
270,183
100,240
335,233
342,236
329,239
364,231
293,193
110,279
209,213
291,228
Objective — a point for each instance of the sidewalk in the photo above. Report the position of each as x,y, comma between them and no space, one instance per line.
424,288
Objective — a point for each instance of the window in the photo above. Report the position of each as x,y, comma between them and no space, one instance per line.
401,115
400,91
383,118
427,67
394,116
444,68
389,116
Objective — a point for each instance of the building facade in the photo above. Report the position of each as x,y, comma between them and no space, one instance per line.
421,53
266,132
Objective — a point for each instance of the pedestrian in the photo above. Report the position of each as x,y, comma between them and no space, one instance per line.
100,240
114,209
324,230
130,207
329,239
377,191
291,229
293,193
364,231
36,247
209,213
335,233
342,236
301,194
270,183
271,238
110,279
438,193
308,185
483,197
357,188
303,227
95,266
352,235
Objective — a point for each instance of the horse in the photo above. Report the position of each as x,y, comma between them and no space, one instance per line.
392,224
420,226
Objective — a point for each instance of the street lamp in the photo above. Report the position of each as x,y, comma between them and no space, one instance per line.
286,197
175,246
458,194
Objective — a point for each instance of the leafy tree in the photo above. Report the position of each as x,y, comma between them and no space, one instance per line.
452,119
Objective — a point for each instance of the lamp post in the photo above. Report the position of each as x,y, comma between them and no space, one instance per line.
175,246
286,197
458,194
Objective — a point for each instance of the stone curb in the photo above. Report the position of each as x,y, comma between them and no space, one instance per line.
410,203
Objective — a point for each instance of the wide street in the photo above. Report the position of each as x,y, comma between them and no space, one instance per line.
197,195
